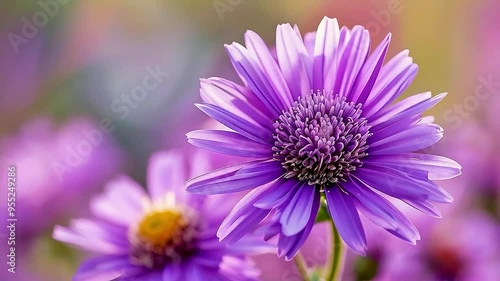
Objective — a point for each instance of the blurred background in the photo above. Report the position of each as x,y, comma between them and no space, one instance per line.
89,89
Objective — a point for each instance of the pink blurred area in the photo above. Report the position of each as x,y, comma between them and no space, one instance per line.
55,169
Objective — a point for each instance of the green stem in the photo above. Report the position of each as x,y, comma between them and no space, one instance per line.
301,266
337,258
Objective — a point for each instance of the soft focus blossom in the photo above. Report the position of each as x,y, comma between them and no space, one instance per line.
471,253
166,234
54,177
465,144
56,168
319,120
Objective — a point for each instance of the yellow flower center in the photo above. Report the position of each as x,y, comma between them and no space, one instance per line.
161,228
167,232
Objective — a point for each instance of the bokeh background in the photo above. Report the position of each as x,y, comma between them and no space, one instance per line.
69,124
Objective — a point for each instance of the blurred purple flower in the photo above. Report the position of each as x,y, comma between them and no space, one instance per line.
473,145
56,169
318,121
164,235
53,182
465,247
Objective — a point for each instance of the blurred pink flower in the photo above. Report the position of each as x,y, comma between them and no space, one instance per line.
473,145
56,169
462,247
164,234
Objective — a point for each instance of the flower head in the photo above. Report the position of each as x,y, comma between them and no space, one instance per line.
166,235
319,121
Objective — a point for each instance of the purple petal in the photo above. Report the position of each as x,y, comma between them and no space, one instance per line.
261,53
346,219
333,67
209,243
309,41
413,139
121,201
379,119
271,230
230,143
251,244
243,218
238,269
298,211
297,32
166,174
326,52
407,108
278,193
398,184
107,268
243,207
386,130
252,74
210,257
172,272
289,246
93,237
219,206
394,78
438,167
381,212
250,130
236,178
369,73
424,206
238,100
353,58
194,272
293,60
150,276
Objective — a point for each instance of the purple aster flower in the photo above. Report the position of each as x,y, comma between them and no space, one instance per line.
164,235
320,120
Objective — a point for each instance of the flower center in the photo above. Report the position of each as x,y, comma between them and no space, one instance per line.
162,236
321,139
